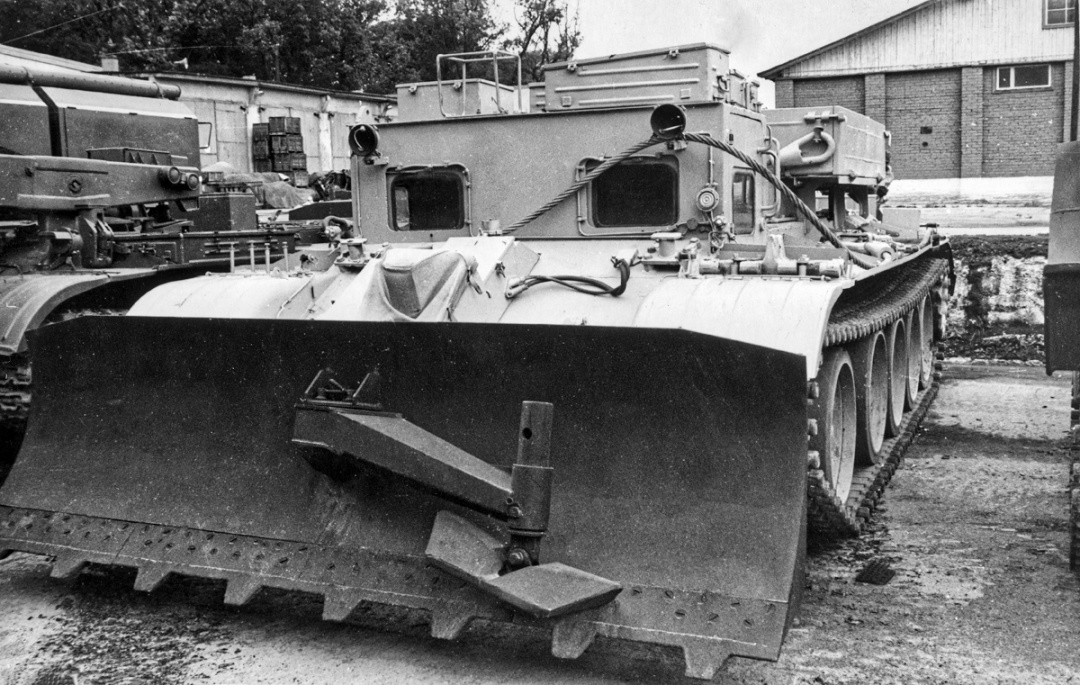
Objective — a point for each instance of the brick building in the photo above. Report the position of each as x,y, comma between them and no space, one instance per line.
968,88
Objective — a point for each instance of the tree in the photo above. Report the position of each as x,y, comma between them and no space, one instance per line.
87,29
548,33
429,28
345,44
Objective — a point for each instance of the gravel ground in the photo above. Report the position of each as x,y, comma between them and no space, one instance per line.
974,524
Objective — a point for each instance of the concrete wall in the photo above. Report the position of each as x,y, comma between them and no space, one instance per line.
951,123
232,106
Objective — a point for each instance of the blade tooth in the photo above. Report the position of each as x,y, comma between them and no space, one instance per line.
150,577
450,619
68,566
339,603
704,657
239,591
570,638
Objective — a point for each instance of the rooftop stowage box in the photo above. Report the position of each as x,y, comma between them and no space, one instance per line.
831,142
420,101
690,73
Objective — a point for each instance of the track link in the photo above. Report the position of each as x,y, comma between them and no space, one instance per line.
828,516
14,392
1074,474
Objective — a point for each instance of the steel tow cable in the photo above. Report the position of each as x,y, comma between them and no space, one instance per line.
583,181
757,166
776,181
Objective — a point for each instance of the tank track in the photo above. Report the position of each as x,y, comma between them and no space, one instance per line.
880,303
14,393
1074,509
828,516
1074,474
16,383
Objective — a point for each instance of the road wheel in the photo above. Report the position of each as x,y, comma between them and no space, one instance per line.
896,339
913,323
929,349
835,413
870,362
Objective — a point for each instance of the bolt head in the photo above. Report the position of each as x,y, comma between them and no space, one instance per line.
518,557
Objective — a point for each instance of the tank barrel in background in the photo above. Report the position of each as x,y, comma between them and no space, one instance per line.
98,83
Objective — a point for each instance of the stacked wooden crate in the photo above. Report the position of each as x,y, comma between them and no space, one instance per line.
278,146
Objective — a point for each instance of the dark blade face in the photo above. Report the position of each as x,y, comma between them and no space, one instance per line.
680,460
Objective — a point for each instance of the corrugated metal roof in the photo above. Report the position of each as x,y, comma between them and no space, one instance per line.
180,77
41,61
938,34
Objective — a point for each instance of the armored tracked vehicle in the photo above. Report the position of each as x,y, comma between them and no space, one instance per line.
593,365
99,184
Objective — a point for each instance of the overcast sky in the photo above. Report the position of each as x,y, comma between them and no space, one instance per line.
759,33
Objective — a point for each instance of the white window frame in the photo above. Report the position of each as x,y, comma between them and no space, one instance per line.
1070,5
209,136
1012,77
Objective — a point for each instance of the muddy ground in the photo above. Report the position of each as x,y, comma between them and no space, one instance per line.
977,334
974,524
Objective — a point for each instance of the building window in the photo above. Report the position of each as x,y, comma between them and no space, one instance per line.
1027,76
428,200
1059,13
638,192
206,135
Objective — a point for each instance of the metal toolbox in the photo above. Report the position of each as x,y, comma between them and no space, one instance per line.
832,142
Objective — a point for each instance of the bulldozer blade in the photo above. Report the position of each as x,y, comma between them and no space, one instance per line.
679,468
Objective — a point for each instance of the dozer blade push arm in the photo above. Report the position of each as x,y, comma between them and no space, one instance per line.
403,448
510,572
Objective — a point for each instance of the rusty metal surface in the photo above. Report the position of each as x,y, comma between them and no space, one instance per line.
667,446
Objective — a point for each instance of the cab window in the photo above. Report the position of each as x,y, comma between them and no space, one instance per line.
742,202
636,193
428,200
